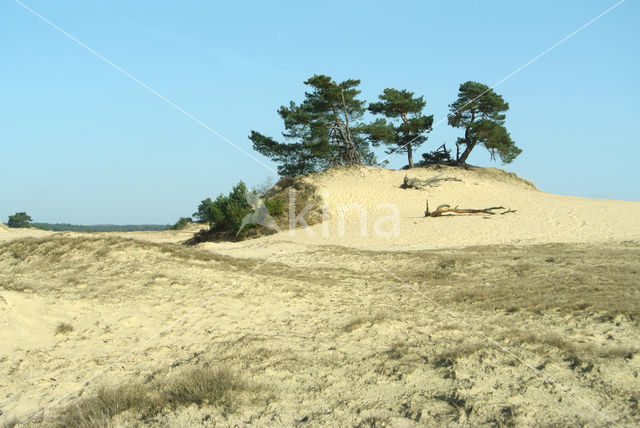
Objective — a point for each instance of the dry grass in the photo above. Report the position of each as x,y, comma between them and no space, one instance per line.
10,423
576,352
583,351
373,422
569,278
61,264
537,278
99,409
369,320
334,343
205,385
201,386
57,249
397,350
63,328
450,355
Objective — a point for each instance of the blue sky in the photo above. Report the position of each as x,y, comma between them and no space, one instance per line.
82,143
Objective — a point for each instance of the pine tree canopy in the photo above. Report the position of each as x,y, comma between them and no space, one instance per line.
324,130
480,111
407,127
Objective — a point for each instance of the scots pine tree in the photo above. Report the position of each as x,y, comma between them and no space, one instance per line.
480,112
407,127
322,131
19,220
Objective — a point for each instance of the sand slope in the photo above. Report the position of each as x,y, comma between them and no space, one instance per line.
359,203
329,337
8,234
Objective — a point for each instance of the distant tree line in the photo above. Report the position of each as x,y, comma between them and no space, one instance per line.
328,127
65,227
22,219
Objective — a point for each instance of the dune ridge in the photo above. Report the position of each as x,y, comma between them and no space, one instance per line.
357,201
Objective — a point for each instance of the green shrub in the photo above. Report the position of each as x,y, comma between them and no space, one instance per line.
275,206
180,224
225,214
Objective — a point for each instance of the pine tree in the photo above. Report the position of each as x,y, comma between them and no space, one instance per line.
480,111
19,220
410,127
324,130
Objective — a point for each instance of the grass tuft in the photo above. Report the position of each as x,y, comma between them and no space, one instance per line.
369,319
63,328
198,386
205,385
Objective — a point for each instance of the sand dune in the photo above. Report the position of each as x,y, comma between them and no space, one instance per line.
361,203
8,234
450,321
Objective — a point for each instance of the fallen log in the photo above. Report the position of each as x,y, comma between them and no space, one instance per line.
416,183
444,208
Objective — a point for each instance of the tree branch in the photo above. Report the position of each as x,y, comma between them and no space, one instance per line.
444,208
416,183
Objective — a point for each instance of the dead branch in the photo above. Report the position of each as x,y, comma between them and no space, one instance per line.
416,183
444,208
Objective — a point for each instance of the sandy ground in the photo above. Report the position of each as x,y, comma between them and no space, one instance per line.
362,207
451,322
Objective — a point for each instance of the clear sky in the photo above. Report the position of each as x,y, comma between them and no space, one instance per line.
80,142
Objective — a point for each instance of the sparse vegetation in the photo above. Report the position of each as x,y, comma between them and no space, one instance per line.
203,385
214,387
64,328
360,321
10,423
452,353
583,351
569,311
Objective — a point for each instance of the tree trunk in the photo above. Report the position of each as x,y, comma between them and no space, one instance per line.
467,151
410,155
468,145
353,156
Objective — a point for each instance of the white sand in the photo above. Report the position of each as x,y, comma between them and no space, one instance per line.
375,193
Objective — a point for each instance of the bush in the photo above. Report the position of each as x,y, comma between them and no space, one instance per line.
19,220
275,206
225,214
180,224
